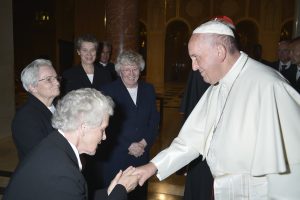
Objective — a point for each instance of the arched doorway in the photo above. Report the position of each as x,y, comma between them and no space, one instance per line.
177,61
248,35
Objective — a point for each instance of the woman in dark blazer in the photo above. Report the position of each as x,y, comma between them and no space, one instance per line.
86,74
32,121
134,127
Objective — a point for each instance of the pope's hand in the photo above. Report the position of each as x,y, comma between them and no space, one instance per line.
126,178
145,172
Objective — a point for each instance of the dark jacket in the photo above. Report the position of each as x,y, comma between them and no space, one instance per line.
31,124
290,75
283,71
130,123
51,172
76,78
111,68
199,180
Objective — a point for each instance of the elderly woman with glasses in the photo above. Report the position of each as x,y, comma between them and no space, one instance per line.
134,126
53,167
32,121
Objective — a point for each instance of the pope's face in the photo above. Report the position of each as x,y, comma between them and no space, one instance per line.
203,57
87,53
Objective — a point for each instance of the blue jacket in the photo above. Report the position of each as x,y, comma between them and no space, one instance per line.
130,123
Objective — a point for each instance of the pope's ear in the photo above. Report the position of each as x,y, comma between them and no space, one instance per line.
222,51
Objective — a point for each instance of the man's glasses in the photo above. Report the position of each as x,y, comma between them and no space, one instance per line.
51,79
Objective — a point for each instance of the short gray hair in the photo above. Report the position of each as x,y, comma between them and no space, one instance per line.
86,38
30,74
129,58
228,42
81,106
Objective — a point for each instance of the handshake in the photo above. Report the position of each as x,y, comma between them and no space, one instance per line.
132,176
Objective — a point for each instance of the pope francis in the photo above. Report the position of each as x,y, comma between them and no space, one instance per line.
245,125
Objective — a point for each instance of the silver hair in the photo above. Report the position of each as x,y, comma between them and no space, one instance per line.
228,42
129,58
81,106
30,74
86,38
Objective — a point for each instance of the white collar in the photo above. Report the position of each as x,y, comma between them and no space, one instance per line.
235,70
75,151
287,64
104,64
51,108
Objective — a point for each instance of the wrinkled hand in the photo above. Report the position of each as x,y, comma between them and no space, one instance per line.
125,178
137,148
145,172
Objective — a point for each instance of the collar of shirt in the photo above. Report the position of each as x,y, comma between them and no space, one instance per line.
133,93
228,80
103,64
287,64
52,108
75,151
225,85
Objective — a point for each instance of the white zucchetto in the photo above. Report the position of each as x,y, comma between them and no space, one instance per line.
214,27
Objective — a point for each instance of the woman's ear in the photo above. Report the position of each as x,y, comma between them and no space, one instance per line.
83,127
32,89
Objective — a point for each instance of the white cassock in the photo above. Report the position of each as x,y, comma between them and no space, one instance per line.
252,144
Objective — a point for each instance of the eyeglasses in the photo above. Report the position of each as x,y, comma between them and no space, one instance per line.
51,79
127,71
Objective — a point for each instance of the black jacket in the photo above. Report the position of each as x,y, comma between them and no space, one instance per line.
31,124
76,78
51,172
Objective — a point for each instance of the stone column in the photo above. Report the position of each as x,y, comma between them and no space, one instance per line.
122,25
156,43
7,100
297,19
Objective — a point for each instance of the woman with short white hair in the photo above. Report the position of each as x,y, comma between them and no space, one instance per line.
134,127
32,121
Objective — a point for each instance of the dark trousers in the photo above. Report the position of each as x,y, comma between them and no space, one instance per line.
199,181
